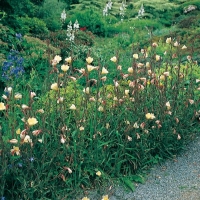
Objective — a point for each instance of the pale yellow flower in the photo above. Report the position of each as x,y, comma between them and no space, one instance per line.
32,121
24,106
104,71
64,68
32,94
154,44
13,141
40,111
100,109
18,96
72,107
130,70
135,125
90,68
89,60
114,59
150,116
107,125
191,101
147,64
135,56
168,40
184,47
126,92
2,106
85,198
166,73
57,59
4,96
27,139
178,137
176,44
130,138
86,90
18,131
162,77
168,105
105,197
54,86
81,128
15,150
157,57
69,59
98,173
119,67
104,78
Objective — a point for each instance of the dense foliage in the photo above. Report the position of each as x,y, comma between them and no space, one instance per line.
94,95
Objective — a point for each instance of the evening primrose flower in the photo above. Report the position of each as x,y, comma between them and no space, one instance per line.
114,59
105,197
69,59
32,121
40,111
98,173
64,68
24,106
168,105
157,57
57,59
104,71
184,47
176,44
81,128
126,92
15,150
135,125
27,139
104,78
85,198
168,40
89,60
54,86
100,109
18,131
72,107
2,106
130,138
18,96
90,68
162,77
150,116
4,96
86,90
147,64
135,56
130,70
13,141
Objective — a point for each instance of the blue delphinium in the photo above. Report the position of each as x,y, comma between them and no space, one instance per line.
13,67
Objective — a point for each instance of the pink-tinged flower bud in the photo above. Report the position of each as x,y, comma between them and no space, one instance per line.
13,141
33,94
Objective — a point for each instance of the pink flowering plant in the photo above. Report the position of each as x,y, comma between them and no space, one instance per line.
88,127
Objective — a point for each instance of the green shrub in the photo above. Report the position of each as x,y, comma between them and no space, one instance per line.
33,25
90,19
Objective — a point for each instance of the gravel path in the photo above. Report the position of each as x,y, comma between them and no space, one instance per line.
177,179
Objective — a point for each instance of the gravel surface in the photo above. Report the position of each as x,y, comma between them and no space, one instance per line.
177,179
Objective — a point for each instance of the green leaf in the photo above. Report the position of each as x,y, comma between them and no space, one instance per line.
128,183
138,178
